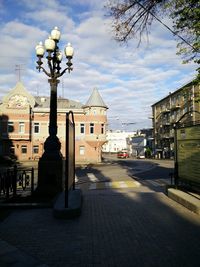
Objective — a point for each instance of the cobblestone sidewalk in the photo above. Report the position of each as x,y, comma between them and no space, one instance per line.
116,228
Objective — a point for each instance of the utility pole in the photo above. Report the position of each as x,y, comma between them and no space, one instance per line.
18,69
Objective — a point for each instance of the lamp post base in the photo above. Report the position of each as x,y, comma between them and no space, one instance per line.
50,169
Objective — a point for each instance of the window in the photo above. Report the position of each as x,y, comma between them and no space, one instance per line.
82,128
35,149
23,149
102,128
91,128
36,127
10,128
21,127
82,150
12,150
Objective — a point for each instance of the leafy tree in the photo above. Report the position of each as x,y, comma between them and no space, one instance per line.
133,19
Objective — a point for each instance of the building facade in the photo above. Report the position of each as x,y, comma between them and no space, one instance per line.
141,143
24,121
117,141
168,111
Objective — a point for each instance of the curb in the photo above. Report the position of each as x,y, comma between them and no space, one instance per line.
190,202
74,205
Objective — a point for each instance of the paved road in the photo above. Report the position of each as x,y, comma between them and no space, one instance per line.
150,173
119,226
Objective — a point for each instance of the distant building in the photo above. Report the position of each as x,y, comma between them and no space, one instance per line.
138,144
141,143
116,141
24,121
168,111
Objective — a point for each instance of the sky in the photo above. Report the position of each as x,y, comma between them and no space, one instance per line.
129,78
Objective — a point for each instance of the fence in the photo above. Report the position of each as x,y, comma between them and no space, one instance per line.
15,181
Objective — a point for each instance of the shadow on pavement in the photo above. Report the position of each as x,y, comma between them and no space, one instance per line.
116,228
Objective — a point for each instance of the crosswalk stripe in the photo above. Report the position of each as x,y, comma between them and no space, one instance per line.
92,177
136,183
97,184
114,185
108,184
123,184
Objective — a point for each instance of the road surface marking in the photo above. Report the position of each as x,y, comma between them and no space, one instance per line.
92,177
114,185
123,184
108,184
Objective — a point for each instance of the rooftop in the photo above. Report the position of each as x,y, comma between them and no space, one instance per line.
95,100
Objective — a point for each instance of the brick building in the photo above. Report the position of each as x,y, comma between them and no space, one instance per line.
24,121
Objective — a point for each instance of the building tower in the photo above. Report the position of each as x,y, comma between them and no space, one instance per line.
95,110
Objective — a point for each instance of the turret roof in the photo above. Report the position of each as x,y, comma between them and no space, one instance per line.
95,100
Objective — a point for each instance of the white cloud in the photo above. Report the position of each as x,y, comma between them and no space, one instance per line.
130,80
50,18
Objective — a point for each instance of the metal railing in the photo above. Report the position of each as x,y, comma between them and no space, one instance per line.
16,181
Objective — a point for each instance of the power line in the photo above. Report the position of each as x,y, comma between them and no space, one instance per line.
160,21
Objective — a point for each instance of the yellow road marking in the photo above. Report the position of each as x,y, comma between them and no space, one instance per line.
114,185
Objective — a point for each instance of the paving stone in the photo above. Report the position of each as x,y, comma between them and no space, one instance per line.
132,227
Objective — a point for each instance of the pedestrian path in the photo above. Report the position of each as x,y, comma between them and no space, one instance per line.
93,182
114,185
11,256
115,229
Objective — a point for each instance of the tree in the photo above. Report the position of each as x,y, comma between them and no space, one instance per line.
133,19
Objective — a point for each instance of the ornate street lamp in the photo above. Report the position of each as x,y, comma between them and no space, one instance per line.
52,154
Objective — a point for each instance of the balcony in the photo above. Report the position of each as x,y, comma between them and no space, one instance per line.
165,123
167,110
173,120
166,136
175,106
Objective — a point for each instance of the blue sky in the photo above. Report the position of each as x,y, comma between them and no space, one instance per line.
130,79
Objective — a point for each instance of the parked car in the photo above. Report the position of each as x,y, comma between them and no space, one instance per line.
141,157
123,154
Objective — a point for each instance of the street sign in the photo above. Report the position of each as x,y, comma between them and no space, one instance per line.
188,153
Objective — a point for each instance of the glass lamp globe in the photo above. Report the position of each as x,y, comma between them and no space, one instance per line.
40,50
55,34
49,44
69,50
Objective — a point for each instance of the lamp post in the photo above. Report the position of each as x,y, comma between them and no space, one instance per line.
52,158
